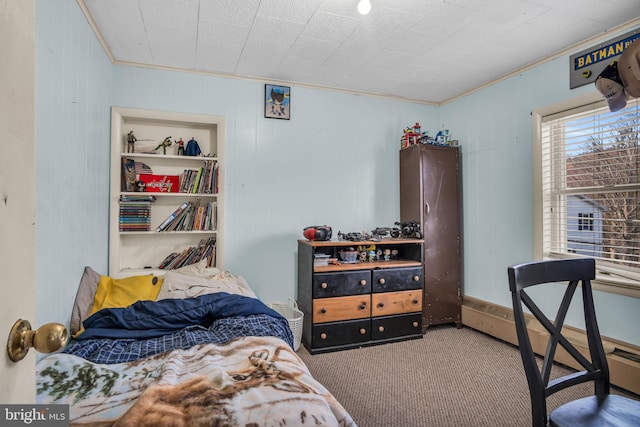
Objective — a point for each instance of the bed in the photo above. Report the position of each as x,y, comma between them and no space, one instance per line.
194,348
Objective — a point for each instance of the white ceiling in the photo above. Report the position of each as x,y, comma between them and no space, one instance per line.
425,50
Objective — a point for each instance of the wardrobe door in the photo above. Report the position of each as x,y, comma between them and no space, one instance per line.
430,192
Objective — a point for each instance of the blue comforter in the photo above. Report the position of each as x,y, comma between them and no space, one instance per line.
117,335
149,319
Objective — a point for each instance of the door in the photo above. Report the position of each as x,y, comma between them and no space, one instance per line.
430,193
443,270
17,192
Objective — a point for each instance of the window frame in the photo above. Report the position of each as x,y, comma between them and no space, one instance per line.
608,279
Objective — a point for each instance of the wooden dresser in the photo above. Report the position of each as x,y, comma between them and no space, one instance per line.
347,305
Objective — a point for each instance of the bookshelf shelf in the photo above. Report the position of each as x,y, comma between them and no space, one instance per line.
135,245
176,194
201,232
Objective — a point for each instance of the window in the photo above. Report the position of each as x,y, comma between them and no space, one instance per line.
588,188
585,221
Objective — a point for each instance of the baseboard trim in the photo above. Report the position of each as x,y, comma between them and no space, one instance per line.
497,321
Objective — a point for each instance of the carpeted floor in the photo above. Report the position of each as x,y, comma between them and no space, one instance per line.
449,378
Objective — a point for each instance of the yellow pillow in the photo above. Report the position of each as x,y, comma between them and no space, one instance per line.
114,293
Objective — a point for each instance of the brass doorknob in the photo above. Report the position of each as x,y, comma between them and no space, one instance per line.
46,339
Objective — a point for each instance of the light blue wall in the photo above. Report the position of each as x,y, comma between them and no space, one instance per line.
73,97
335,162
495,129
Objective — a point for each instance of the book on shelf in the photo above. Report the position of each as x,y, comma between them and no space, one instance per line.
128,177
206,249
178,223
172,217
135,212
196,181
203,180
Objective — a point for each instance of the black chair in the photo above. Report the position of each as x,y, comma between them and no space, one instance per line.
600,409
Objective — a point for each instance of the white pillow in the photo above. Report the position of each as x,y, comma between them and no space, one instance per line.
199,269
176,284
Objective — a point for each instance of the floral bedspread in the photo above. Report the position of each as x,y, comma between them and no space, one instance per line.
249,381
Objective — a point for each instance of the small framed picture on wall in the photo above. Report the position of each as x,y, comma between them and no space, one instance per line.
277,102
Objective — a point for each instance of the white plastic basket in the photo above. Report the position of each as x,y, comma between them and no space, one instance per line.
294,316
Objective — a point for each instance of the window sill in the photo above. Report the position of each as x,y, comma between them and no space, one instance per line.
606,283
610,279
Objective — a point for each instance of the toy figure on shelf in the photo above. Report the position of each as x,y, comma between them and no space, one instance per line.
414,135
180,147
131,140
443,138
164,144
410,229
193,149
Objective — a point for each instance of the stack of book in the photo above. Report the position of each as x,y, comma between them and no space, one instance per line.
202,180
320,260
190,216
206,249
135,212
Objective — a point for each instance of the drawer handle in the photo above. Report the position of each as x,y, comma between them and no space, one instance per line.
363,331
380,304
416,278
363,282
415,324
363,306
324,285
415,301
323,336
323,310
381,328
381,280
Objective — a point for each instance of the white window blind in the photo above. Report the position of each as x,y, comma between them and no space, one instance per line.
591,187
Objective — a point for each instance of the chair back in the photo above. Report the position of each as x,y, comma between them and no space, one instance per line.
548,273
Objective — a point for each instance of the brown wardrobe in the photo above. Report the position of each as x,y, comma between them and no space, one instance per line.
431,194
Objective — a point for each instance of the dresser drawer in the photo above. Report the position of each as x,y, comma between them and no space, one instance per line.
396,302
396,279
340,333
341,308
396,326
343,283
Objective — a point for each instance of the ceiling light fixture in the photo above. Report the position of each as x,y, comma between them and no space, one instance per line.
364,7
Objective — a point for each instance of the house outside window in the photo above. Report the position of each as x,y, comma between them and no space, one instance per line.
587,189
